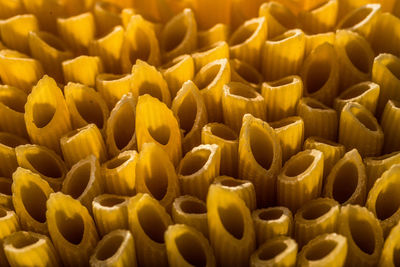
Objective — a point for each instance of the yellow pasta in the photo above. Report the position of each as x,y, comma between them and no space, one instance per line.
300,179
364,93
146,79
108,49
386,33
119,173
71,228
242,10
8,142
282,97
29,195
332,151
359,129
43,161
316,217
191,211
217,33
231,230
179,35
210,53
245,73
77,31
324,250
319,119
210,79
320,19
115,249
107,15
110,213
207,17
82,69
355,57
260,158
177,72
6,193
283,55
376,166
50,51
82,142
278,251
13,63
363,233
390,128
120,130
290,132
315,40
148,221
156,176
187,247
9,223
390,248
30,249
272,222
112,87
140,42
73,7
15,31
10,8
386,73
41,9
83,181
320,74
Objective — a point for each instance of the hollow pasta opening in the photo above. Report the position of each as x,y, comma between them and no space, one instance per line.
52,41
90,110
79,180
116,162
13,102
193,162
318,74
281,14
151,223
150,88
320,250
43,163
187,113
22,240
355,91
111,201
388,201
244,33
358,56
232,220
124,126
345,182
193,207
160,133
208,76
314,104
315,211
299,165
232,182
261,147
364,119
394,68
362,234
11,140
110,7
245,71
222,131
284,36
191,249
5,187
360,15
71,227
242,91
109,247
282,82
34,200
271,214
141,47
157,181
175,34
42,113
283,123
272,250
3,212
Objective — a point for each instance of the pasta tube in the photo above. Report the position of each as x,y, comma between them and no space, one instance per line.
6,193
272,222
315,40
30,249
198,168
319,119
191,211
9,223
81,143
300,179
386,33
146,79
13,63
41,9
115,249
156,176
71,228
320,74
283,55
320,19
43,161
231,231
29,196
391,129
119,173
148,221
324,250
290,132
156,123
389,251
217,33
210,79
83,181
112,87
11,8
282,97
260,158
8,159
359,129
110,213
346,183
187,247
120,130
82,69
207,54
279,251
107,16
363,233
245,73
188,106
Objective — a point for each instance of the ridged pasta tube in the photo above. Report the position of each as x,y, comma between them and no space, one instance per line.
112,87
315,40
6,193
276,252
217,33
9,223
386,33
210,53
107,16
82,69
376,166
10,9
390,248
320,19
8,159
390,128
245,73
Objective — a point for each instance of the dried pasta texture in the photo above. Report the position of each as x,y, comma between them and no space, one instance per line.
210,53
245,73
110,212
320,19
10,9
71,229
82,69
390,248
231,230
300,179
112,87
363,233
8,159
107,16
315,40
9,222
217,33
280,251
359,129
260,158
282,97
390,127
190,211
272,222
6,193
376,166
115,249
198,168
29,195
30,249
386,25
43,161
187,247
148,221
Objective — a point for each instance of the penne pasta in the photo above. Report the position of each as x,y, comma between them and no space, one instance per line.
8,159
11,8
315,40
82,69
390,128
6,193
9,223
245,73
47,20
279,251
376,166
217,33
210,53
107,15
112,87
387,24
389,251
320,19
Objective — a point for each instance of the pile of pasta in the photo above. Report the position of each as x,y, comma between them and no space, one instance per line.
199,133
